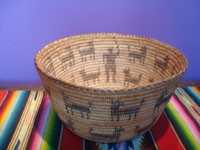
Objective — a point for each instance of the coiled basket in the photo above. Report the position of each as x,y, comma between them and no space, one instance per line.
109,87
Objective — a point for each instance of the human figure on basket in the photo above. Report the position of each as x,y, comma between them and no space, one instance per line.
110,65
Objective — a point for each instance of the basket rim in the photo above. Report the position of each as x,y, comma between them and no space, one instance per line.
81,87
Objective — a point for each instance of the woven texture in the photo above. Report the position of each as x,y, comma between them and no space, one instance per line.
109,87
28,121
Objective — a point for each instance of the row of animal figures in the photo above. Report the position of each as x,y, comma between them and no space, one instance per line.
93,76
117,131
115,135
117,108
68,59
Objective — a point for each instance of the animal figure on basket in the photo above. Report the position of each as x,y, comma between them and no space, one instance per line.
139,130
74,106
110,64
161,64
70,124
137,55
117,111
162,99
67,59
90,76
72,79
151,80
115,135
88,51
173,71
50,67
130,79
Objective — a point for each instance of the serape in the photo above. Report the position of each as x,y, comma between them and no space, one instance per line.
28,121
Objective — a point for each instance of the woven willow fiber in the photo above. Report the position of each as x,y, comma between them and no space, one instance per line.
109,87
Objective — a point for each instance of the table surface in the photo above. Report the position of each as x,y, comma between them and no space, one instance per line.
40,87
28,121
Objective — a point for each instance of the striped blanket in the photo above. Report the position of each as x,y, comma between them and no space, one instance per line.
28,121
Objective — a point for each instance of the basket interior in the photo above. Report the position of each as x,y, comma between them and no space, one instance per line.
110,61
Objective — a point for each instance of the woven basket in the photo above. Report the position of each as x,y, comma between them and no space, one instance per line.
109,87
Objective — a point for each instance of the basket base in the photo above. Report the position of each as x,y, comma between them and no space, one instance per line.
101,140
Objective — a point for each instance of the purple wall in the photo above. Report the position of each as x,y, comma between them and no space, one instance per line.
27,26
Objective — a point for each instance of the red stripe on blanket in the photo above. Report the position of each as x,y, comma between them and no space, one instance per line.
6,102
196,111
70,140
2,96
198,87
164,135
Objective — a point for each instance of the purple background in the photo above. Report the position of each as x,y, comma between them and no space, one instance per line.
27,26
